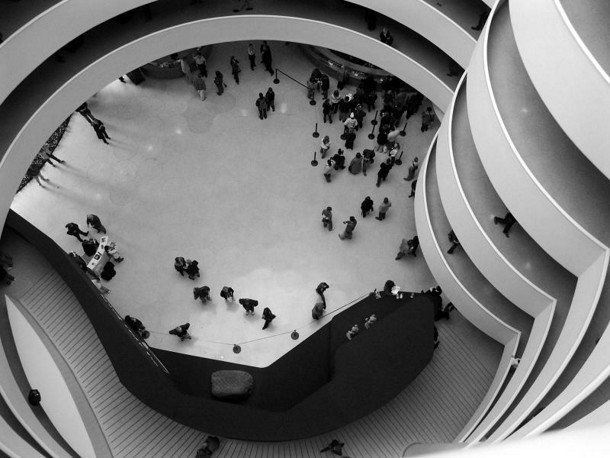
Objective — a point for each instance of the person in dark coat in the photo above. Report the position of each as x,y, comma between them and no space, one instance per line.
327,111
211,444
350,225
339,160
320,289
382,138
268,316
349,140
318,310
413,245
335,447
95,222
413,186
90,246
507,221
261,104
74,230
100,131
251,56
386,37
219,82
202,293
85,112
248,305
5,277
366,206
266,56
235,70
327,218
384,169
108,271
180,265
324,85
359,114
227,293
368,159
454,242
270,99
192,269
181,331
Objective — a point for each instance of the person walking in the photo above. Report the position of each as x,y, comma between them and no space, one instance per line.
49,156
355,165
227,293
327,111
182,332
327,218
219,82
201,63
507,221
100,131
95,222
74,230
328,170
85,112
235,70
268,316
366,206
248,305
266,56
383,209
384,170
261,104
251,56
270,99
412,169
199,84
413,186
350,225
454,242
202,293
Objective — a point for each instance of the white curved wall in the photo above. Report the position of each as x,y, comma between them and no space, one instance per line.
196,33
572,84
536,211
429,22
49,31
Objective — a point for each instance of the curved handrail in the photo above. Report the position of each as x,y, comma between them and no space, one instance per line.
484,42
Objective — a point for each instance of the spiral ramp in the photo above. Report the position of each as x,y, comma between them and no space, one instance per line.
514,138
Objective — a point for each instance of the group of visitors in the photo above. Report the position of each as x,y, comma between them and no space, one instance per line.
318,82
264,103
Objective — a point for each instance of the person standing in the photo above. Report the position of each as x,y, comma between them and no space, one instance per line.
324,146
328,170
454,242
327,218
182,331
261,104
95,222
74,230
383,209
350,124
427,119
318,310
386,37
311,89
192,269
403,249
268,316
202,293
270,99
382,138
248,305
324,85
266,56
100,131
339,160
355,166
384,170
368,158
413,245
235,70
200,86
219,82
227,293
186,68
245,5
366,206
251,56
413,186
327,111
412,169
335,98
350,225
180,265
201,63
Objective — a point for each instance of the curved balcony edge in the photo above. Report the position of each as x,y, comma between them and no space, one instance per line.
430,23
568,242
570,81
125,58
480,248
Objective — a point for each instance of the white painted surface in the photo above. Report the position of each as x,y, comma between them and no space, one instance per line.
44,375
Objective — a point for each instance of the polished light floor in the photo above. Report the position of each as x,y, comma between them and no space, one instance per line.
210,181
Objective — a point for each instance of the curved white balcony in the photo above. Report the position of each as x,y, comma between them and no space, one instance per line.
545,220
571,81
447,26
494,107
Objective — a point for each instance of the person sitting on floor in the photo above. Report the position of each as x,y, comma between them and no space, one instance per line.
192,269
202,293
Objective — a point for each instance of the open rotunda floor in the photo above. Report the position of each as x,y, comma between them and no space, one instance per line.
211,181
